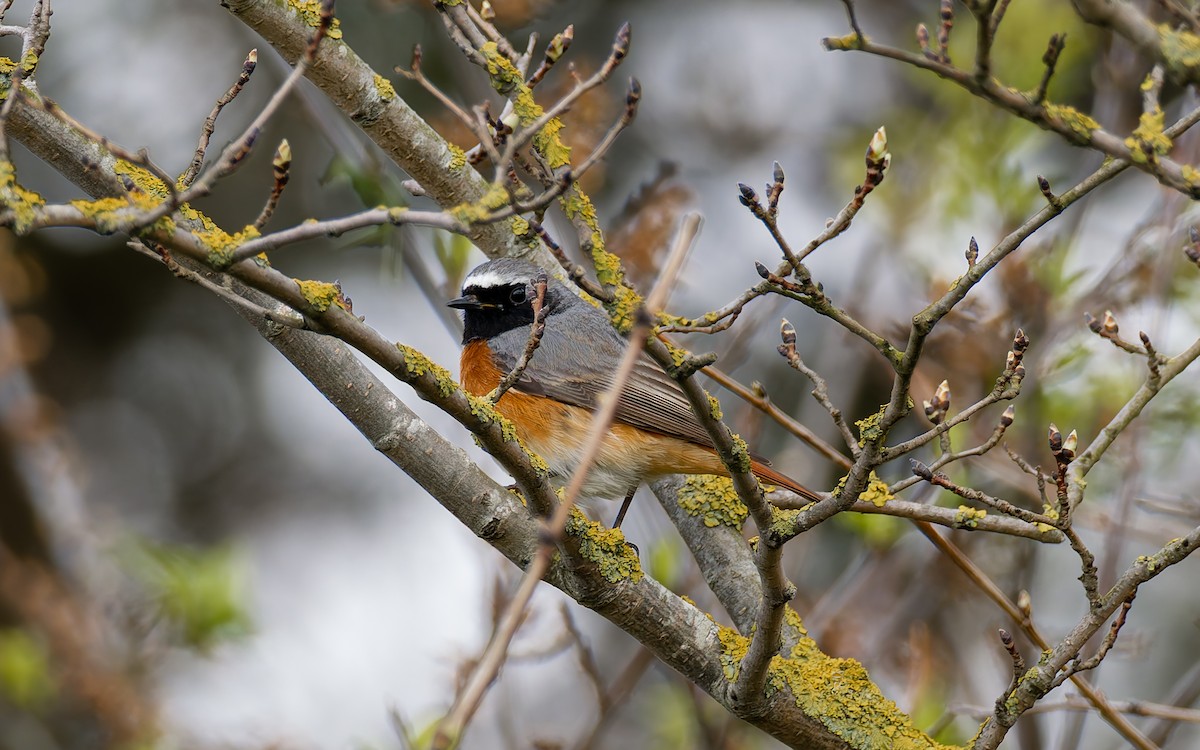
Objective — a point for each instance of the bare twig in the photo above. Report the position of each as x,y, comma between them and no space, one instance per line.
820,389
210,122
280,166
540,310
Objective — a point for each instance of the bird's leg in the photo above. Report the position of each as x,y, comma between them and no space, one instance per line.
624,508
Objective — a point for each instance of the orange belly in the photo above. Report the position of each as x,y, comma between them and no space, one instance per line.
557,432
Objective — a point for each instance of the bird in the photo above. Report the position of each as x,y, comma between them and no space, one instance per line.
654,433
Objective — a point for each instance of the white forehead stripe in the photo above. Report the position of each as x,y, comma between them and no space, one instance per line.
488,279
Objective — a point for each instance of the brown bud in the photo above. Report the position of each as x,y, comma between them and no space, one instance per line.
1110,323
877,149
621,42
1020,342
788,332
633,94
942,394
1006,419
931,411
1055,438
921,470
972,252
1092,323
748,197
283,156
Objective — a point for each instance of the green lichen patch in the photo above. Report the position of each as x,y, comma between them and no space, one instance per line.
869,430
741,454
714,408
606,548
714,500
26,680
310,13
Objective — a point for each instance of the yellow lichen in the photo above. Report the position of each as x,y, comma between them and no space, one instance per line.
21,202
310,14
836,692
1077,121
850,41
868,427
714,407
876,492
418,365
479,210
485,411
150,191
605,547
1148,134
387,92
714,500
1180,49
741,454
968,516
519,226
220,243
320,294
458,158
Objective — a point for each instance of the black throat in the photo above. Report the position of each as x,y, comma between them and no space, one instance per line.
496,314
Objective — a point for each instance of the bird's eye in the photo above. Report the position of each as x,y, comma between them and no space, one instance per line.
518,296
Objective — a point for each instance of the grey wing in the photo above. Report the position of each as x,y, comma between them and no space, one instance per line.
577,372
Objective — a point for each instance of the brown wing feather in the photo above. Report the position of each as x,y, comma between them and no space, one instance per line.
774,477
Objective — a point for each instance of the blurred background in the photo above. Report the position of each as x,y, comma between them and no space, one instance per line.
260,577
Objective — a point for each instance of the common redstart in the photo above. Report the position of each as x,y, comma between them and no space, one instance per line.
654,433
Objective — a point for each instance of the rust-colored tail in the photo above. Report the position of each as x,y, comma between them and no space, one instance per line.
767,474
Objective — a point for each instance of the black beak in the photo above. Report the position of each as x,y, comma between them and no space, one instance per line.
466,302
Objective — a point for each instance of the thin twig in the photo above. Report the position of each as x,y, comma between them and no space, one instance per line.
210,122
540,311
280,167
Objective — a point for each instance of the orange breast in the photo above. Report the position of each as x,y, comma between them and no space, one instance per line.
557,432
